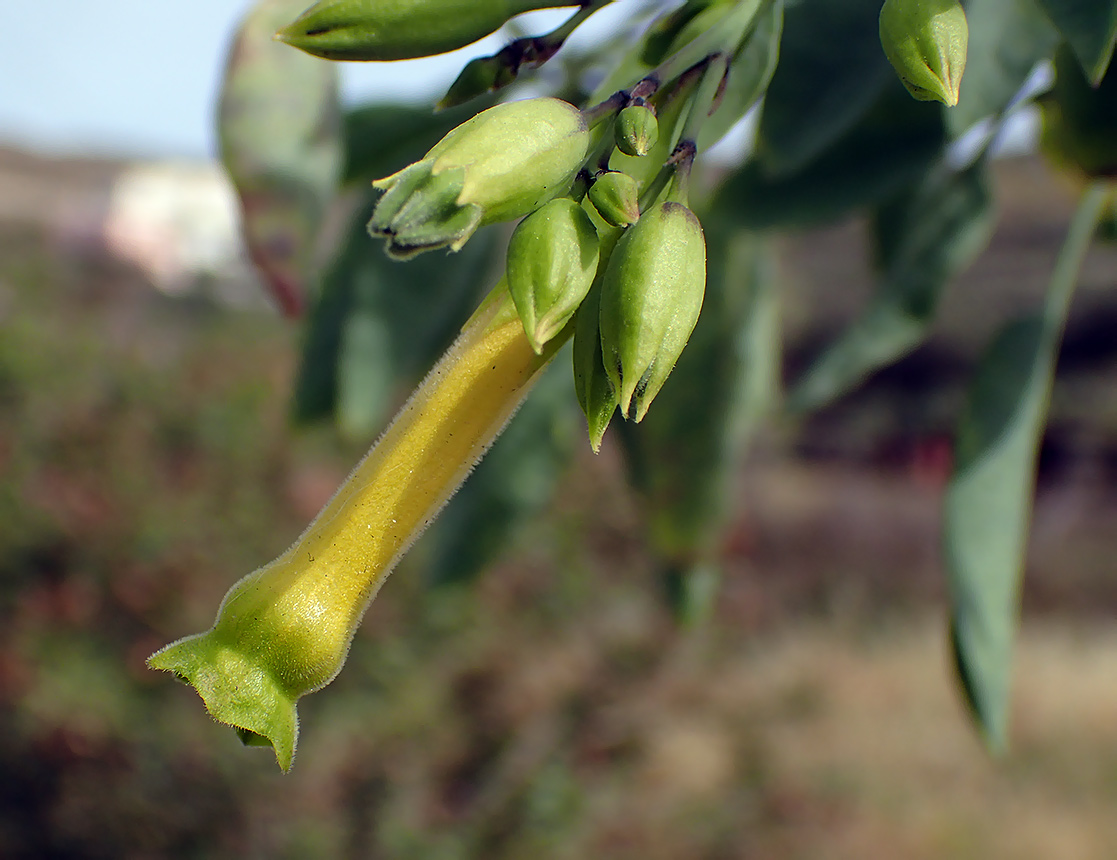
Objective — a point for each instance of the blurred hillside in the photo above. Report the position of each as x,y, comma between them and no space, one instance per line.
147,461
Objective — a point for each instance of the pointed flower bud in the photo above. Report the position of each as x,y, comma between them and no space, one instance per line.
636,130
591,382
552,261
501,164
650,300
400,29
925,40
284,630
616,197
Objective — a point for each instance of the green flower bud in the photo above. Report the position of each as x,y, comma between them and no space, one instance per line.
400,29
650,300
925,40
616,197
552,261
636,130
591,383
502,164
284,631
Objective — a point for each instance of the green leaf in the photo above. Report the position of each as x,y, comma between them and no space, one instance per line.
988,500
926,237
381,139
891,147
380,324
1090,26
831,71
751,72
279,125
1007,40
514,483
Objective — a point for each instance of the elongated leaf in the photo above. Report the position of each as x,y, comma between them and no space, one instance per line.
681,458
888,149
1090,26
749,74
279,124
515,482
988,500
1007,40
926,237
383,138
831,71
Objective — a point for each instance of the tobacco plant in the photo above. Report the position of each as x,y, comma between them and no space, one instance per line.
661,284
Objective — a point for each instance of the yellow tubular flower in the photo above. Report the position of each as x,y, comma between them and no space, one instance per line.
284,630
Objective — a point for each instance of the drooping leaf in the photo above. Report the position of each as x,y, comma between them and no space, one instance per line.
831,71
925,237
1080,120
888,149
379,324
988,501
279,124
1007,40
681,457
1090,26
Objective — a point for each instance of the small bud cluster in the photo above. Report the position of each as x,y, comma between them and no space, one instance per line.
652,275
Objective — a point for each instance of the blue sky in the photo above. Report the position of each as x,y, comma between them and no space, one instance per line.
139,77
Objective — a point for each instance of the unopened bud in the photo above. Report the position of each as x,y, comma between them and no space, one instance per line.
925,40
591,383
400,29
552,261
650,301
616,197
636,130
501,164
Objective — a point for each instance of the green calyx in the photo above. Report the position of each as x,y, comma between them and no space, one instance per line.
277,637
552,260
616,197
400,29
650,301
420,212
636,130
500,165
926,41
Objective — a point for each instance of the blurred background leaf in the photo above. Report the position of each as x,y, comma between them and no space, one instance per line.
888,147
1007,41
1090,26
831,70
989,499
279,124
925,236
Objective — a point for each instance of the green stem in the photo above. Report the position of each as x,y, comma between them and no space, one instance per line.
1065,276
676,170
725,38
